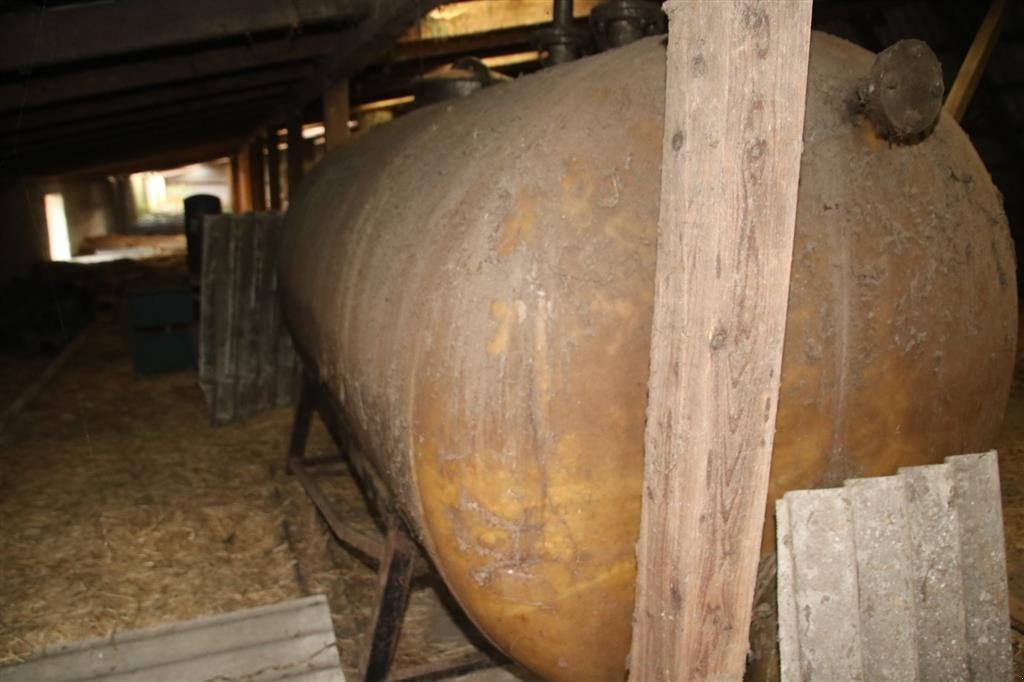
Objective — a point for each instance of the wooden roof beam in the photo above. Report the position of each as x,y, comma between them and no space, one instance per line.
92,31
107,79
147,99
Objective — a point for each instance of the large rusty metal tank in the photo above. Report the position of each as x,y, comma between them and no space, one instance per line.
474,282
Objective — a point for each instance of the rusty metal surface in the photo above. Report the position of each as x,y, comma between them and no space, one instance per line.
474,283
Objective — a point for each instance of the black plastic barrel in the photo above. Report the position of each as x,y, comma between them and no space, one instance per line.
197,206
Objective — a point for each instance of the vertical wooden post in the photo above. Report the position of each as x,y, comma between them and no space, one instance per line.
969,75
236,177
242,176
734,111
296,154
336,113
258,179
274,170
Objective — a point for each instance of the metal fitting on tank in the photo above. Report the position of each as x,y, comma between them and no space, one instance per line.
561,41
461,79
902,94
620,22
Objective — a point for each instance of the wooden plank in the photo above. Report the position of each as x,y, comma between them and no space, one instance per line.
336,114
974,63
30,392
470,17
288,641
736,82
89,30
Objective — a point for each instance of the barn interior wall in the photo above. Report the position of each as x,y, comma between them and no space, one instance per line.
23,239
90,205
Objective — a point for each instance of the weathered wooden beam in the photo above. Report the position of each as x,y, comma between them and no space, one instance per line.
734,111
460,45
245,104
110,105
358,47
258,178
40,89
336,114
95,30
974,63
274,171
481,16
296,155
242,200
169,153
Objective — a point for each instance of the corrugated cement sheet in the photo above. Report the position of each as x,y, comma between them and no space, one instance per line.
291,641
896,578
246,359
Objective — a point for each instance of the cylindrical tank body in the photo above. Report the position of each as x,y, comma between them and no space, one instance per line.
474,284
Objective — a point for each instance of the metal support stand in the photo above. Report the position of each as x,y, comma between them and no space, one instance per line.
397,557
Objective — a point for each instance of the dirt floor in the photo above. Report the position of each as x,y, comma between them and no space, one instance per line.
121,507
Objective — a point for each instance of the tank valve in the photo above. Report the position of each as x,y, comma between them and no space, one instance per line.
562,41
902,95
620,22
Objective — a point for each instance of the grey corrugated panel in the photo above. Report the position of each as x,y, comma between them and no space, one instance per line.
214,246
273,321
293,640
264,309
789,642
825,586
884,587
250,362
245,322
932,537
936,573
983,561
226,318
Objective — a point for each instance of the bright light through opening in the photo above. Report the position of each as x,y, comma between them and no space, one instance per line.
57,227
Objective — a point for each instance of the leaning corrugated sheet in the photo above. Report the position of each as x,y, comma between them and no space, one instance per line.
293,640
246,359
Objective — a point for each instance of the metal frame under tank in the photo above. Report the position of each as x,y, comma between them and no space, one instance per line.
399,560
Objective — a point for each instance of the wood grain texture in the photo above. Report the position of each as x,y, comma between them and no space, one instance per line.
736,81
336,114
973,66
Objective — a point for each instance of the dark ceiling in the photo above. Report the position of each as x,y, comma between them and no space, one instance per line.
96,84
114,85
